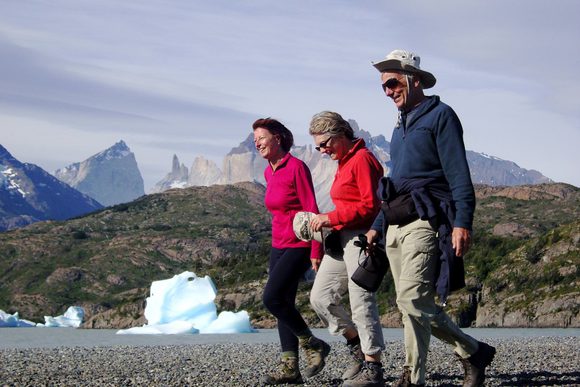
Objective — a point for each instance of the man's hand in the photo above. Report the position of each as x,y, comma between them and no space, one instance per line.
372,236
461,240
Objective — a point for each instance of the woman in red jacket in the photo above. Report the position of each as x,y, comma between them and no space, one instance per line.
354,194
289,189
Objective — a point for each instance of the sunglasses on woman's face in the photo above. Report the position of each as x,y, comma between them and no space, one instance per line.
323,144
391,83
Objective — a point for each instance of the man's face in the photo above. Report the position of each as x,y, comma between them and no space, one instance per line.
395,86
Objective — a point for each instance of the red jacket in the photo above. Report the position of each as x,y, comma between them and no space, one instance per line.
354,190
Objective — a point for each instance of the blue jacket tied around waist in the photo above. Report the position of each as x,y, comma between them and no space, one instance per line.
428,162
434,204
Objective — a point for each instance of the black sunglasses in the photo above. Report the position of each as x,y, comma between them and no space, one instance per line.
391,83
323,144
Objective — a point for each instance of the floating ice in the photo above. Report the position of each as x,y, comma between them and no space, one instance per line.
72,318
230,322
13,321
185,304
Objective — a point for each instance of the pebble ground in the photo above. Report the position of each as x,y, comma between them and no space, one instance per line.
543,361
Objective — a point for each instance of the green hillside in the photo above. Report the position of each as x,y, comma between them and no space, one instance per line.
526,252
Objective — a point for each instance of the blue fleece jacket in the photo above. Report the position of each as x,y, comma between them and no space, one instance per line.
428,143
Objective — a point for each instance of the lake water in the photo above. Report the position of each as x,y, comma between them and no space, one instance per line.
70,337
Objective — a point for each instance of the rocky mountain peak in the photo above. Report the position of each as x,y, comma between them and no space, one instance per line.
5,155
117,151
245,146
111,176
178,170
29,194
177,178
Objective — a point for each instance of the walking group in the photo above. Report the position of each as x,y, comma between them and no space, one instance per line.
423,211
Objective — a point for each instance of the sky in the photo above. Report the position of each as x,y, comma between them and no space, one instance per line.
189,77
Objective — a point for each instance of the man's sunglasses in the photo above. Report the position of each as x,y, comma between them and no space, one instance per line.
323,144
391,83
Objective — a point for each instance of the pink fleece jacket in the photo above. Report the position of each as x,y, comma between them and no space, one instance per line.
289,190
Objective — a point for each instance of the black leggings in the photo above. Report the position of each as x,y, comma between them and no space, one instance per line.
287,266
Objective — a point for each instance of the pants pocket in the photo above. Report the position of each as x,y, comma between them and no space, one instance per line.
420,253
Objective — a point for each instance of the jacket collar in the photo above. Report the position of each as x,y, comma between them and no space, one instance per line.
358,145
283,162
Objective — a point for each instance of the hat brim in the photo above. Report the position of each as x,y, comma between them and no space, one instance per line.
428,80
302,229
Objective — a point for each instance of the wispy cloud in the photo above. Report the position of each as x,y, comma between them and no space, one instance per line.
189,77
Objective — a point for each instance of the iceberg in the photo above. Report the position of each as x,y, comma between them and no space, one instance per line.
72,318
185,304
13,321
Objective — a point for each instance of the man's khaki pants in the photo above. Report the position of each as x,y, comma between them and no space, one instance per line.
332,283
412,251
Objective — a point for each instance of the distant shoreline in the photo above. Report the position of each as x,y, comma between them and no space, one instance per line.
25,338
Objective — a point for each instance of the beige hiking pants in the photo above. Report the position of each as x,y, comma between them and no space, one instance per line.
331,285
412,251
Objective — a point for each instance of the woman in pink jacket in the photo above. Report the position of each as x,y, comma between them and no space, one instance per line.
289,189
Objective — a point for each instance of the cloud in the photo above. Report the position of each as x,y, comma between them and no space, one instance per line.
190,77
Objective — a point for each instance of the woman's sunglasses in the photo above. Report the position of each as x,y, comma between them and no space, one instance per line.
323,144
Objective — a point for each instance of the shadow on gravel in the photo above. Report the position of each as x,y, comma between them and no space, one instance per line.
539,379
527,379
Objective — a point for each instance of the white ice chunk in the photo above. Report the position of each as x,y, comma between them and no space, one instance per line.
185,304
13,321
72,318
230,322
183,297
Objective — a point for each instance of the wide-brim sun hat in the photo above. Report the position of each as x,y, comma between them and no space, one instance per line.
302,228
406,61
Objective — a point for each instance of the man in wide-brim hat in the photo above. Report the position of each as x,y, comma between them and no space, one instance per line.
406,62
429,210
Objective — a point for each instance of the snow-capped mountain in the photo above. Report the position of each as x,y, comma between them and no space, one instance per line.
243,163
110,177
29,194
177,178
494,171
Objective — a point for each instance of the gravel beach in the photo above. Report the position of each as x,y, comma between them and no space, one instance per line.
527,361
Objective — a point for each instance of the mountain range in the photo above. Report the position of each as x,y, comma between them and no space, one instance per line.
243,163
112,177
29,194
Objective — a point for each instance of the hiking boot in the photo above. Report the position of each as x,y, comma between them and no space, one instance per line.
405,379
474,366
370,375
286,373
316,351
355,363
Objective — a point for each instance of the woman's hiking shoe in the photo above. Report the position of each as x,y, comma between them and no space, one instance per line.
355,363
286,373
370,375
316,351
